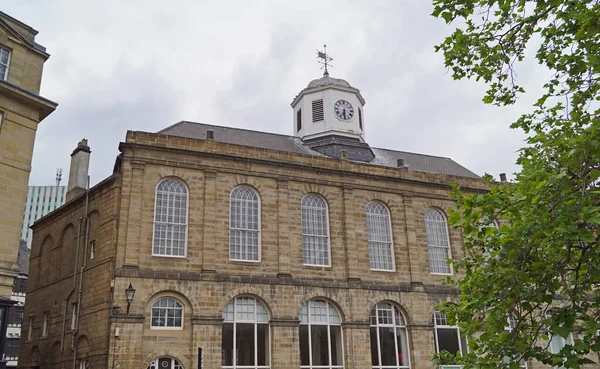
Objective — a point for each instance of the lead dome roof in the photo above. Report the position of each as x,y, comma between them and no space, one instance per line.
328,81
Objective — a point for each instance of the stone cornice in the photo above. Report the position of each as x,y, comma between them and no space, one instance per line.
37,102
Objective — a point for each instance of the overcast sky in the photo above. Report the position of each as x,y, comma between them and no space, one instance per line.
144,65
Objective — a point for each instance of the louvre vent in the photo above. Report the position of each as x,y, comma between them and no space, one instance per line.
317,110
360,118
298,120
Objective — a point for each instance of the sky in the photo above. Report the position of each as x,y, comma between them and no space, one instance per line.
144,65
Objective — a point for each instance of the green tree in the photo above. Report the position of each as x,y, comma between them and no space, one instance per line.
542,264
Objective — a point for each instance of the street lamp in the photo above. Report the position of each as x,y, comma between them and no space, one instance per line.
129,293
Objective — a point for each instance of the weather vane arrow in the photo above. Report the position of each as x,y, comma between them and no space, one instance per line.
323,58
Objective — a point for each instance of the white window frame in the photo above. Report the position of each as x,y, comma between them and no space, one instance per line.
175,364
73,316
244,230
84,363
236,320
511,324
390,242
397,326
449,248
92,250
165,327
437,326
562,342
30,331
307,321
187,218
5,77
45,325
326,228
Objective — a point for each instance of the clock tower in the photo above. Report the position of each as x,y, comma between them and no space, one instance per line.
329,114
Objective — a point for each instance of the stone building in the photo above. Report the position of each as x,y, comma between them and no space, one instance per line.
21,110
249,250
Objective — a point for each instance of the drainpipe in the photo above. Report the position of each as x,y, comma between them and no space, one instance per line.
85,248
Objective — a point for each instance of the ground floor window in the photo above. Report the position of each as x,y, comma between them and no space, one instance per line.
246,339
448,337
165,363
321,344
389,339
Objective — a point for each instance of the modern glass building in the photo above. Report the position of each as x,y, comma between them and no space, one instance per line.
41,200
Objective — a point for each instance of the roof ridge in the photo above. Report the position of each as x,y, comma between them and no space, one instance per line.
236,128
415,153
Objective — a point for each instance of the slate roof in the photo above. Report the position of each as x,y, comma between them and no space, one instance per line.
23,257
272,141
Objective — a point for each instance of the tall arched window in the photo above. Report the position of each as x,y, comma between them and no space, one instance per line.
379,234
244,224
165,363
167,313
245,340
321,344
438,242
315,231
170,218
389,339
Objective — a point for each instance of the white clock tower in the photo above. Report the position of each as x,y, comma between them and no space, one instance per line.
329,106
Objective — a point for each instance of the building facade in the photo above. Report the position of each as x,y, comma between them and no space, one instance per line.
40,201
21,110
217,247
15,314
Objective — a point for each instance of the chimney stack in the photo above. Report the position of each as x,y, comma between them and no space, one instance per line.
502,177
78,173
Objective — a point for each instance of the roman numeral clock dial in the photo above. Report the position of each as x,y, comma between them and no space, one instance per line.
343,109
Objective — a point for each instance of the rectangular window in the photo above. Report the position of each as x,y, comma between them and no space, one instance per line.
4,60
317,110
45,326
92,250
30,332
84,364
448,337
298,120
74,317
360,118
1,116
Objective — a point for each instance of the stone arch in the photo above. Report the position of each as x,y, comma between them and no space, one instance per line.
68,243
83,346
173,353
246,291
244,180
34,356
145,305
317,296
45,246
405,310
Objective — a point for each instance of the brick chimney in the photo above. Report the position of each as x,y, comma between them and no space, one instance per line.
78,174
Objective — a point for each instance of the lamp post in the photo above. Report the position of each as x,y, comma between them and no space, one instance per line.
129,293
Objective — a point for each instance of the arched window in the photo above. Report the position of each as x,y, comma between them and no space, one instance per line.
321,344
315,231
167,313
170,218
448,337
165,363
379,234
438,242
244,224
389,339
246,339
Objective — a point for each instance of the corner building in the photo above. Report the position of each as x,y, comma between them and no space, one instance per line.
250,250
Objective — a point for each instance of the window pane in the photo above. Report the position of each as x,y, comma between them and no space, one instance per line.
374,347
388,345
262,335
320,345
403,356
304,349
245,343
336,345
448,340
227,345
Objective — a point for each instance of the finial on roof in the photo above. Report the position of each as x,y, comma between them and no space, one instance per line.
323,58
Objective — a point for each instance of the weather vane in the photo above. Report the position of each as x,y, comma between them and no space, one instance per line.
324,59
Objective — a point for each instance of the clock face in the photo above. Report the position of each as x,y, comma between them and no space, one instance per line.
343,109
